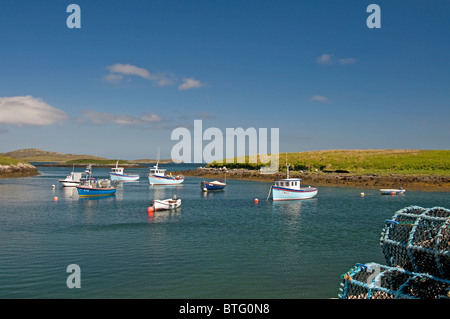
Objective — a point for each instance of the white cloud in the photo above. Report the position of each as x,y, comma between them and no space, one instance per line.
119,71
190,83
327,59
129,69
345,61
324,59
319,98
27,110
102,117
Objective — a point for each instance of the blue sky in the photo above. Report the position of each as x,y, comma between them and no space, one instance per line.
118,86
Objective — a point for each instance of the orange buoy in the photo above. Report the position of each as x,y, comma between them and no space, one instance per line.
55,198
150,209
256,200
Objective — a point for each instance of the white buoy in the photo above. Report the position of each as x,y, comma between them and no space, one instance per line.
362,194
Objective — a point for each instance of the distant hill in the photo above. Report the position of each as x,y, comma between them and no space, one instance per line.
37,155
151,161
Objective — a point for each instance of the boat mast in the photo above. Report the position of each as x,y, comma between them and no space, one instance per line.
157,158
287,167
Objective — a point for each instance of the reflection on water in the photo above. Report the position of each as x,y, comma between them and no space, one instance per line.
70,193
163,215
163,191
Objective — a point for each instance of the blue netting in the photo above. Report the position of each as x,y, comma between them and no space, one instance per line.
415,244
375,281
417,239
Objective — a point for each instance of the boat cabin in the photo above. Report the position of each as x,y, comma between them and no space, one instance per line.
292,183
157,171
117,170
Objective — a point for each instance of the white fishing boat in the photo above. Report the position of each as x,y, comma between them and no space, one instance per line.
158,176
71,180
388,191
166,204
290,189
117,174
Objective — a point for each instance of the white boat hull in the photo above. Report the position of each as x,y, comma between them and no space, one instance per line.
164,180
392,191
282,193
166,204
67,183
123,177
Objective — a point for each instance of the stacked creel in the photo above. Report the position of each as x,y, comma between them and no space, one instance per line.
416,246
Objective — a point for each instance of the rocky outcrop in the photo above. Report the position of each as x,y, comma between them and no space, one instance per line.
18,170
411,182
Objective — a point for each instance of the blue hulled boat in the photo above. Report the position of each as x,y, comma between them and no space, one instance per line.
90,187
85,191
212,186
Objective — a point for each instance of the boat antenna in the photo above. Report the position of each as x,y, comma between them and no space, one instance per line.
287,167
157,157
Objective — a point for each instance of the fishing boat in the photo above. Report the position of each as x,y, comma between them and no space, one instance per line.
386,191
290,189
166,204
91,187
212,186
117,174
71,180
158,176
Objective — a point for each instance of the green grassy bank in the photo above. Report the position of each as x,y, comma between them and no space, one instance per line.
359,162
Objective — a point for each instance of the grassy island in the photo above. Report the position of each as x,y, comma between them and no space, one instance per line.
426,170
359,162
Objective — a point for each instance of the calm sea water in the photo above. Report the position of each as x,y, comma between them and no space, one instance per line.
217,245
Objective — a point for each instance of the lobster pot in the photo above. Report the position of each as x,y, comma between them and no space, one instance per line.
375,281
105,183
417,240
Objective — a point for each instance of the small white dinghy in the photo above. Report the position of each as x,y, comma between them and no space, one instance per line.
399,191
166,204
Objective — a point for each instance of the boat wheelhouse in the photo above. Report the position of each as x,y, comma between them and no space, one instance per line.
71,180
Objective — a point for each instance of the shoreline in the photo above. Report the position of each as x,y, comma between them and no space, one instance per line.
18,170
373,181
93,165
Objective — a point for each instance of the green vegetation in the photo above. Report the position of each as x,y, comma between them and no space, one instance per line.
417,162
5,160
37,155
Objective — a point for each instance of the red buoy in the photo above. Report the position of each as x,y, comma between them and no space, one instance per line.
150,209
